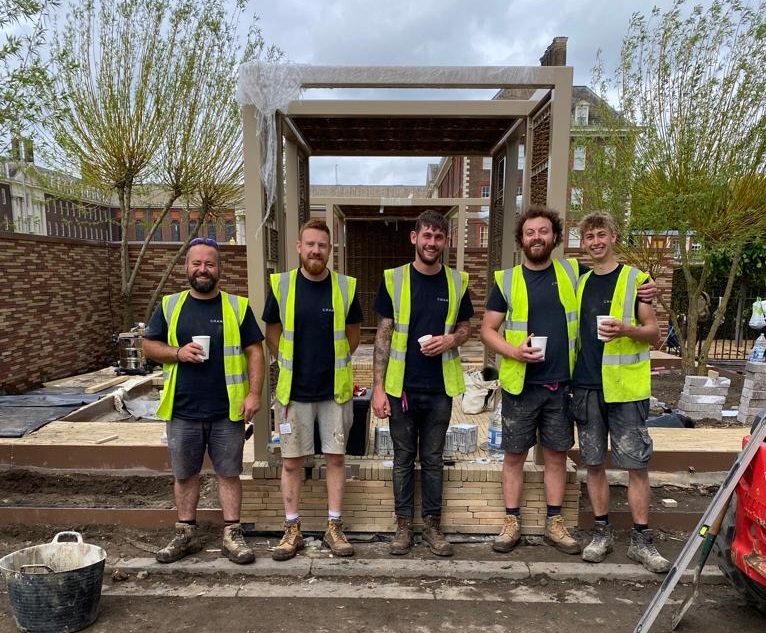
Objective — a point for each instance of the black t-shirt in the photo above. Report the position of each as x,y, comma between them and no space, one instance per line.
201,387
314,349
596,300
546,317
429,303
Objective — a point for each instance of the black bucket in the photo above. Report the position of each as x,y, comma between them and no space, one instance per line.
56,587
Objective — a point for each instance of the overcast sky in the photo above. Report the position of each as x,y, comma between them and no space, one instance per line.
440,33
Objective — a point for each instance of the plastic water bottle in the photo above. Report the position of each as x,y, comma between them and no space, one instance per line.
495,431
758,353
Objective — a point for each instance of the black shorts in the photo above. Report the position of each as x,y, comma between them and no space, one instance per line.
536,408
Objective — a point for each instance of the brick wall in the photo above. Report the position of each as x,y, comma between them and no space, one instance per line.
61,303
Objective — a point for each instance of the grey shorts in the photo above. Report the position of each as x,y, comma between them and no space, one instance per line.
621,424
188,440
295,424
536,408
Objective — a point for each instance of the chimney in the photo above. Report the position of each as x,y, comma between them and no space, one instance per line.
29,151
556,53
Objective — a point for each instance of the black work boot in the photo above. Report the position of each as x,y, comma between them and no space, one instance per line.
403,539
432,535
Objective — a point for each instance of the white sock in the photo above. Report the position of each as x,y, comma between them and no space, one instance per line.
292,517
334,514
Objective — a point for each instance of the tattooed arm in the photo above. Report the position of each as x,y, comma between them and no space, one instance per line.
380,405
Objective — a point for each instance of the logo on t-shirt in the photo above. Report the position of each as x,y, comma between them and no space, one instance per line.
442,299
327,310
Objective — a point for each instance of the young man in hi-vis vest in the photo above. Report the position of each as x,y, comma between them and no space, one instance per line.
611,386
423,312
207,397
313,324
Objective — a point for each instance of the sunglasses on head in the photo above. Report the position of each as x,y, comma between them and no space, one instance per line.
207,241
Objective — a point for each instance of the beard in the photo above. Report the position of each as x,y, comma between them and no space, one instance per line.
313,265
203,284
428,257
538,256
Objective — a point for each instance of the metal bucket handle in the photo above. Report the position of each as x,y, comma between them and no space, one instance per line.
74,535
36,569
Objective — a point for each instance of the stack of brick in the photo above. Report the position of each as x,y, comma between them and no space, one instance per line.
753,392
703,397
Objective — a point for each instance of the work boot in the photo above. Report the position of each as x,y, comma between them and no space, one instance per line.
291,542
336,540
642,550
556,534
509,536
601,544
432,535
234,546
185,542
403,539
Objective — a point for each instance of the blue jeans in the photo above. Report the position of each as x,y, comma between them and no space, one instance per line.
419,427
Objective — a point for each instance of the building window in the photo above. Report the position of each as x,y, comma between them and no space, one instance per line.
192,227
575,199
581,113
231,233
574,238
139,230
520,165
211,230
578,160
485,191
175,231
519,190
486,163
500,177
609,153
483,236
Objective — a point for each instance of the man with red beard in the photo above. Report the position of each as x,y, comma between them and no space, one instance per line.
415,379
537,297
207,399
313,324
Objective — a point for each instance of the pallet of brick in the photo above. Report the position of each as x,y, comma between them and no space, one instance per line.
383,444
753,397
449,443
466,437
703,397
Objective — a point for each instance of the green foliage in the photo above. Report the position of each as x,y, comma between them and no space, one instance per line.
24,68
690,140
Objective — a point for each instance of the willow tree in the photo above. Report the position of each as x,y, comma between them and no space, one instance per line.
683,154
150,104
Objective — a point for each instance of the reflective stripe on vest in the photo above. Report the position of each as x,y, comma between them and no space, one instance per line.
397,282
343,290
511,284
625,364
233,309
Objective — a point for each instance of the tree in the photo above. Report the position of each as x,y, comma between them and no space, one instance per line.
24,76
151,104
687,146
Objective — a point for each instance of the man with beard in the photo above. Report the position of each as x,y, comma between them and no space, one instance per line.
611,385
313,324
414,382
206,399
536,297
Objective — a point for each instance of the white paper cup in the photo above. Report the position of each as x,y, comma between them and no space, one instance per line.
539,341
601,319
204,342
424,339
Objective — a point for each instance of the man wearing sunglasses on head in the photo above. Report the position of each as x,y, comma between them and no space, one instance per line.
207,398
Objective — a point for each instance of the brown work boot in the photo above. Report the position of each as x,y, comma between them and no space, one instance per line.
556,534
432,535
185,542
234,546
291,542
336,540
403,539
509,536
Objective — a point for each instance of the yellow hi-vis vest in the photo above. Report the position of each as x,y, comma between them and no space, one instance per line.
234,360
511,284
398,286
343,289
625,364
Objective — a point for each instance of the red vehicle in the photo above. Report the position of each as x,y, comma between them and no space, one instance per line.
741,544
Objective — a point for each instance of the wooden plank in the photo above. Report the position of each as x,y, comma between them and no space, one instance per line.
105,384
